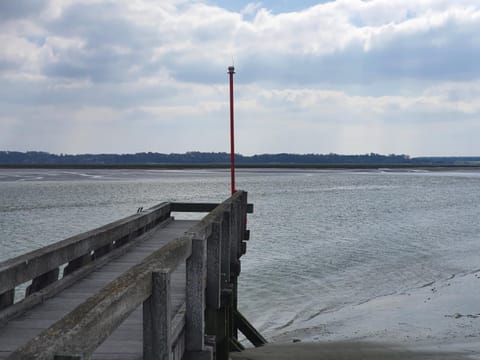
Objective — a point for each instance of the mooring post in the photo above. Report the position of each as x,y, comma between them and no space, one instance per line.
157,319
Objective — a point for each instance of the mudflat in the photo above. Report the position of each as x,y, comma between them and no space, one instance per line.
342,350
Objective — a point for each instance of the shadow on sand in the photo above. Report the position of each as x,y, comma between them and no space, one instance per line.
342,351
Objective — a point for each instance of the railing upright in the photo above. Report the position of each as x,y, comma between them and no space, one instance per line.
157,318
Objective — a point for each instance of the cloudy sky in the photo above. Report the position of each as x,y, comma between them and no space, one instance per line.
345,76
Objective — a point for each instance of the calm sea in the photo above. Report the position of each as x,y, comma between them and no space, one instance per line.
321,240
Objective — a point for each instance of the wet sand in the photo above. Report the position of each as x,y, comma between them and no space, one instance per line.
342,350
437,320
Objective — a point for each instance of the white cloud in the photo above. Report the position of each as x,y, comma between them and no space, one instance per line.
330,75
251,8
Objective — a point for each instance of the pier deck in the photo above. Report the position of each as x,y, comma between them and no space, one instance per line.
144,287
126,341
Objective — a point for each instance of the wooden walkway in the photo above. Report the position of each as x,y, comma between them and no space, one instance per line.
126,342
144,287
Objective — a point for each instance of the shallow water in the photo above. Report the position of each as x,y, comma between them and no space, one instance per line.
320,240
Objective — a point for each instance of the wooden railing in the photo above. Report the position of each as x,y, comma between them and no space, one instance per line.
206,324
77,256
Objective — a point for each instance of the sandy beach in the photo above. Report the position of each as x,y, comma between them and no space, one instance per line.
437,320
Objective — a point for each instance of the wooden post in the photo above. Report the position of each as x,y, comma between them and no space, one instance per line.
221,336
225,246
214,267
157,319
236,235
224,331
244,234
234,240
216,322
195,302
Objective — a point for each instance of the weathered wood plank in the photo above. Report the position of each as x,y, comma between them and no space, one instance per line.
43,281
26,267
40,320
86,327
214,266
248,330
157,318
199,207
7,298
196,282
55,288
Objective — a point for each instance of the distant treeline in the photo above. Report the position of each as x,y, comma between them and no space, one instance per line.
194,158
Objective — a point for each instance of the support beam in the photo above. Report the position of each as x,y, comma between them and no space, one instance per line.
248,330
235,345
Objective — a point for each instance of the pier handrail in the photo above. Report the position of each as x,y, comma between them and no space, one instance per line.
42,265
79,333
210,249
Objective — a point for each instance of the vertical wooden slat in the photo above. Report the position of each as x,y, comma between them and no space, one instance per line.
213,266
195,302
77,263
42,281
234,217
225,246
157,319
7,298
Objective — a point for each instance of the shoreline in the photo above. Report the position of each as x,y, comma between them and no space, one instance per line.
344,350
383,167
441,317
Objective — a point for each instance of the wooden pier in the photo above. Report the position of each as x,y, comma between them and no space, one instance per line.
144,287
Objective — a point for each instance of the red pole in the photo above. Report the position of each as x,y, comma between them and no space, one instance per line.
231,71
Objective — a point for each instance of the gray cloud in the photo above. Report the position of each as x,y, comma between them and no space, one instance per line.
10,10
412,56
14,94
326,74
115,49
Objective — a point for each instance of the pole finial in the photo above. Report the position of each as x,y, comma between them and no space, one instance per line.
231,70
